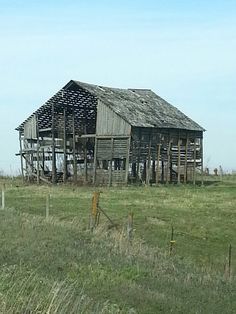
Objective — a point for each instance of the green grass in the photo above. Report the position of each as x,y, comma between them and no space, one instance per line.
58,266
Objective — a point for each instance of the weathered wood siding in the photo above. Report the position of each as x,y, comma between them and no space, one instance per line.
106,150
109,123
30,128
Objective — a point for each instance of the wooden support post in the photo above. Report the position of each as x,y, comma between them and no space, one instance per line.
110,162
186,160
21,157
85,162
3,196
162,171
202,164
37,133
64,147
95,161
54,179
148,170
179,159
43,160
153,170
194,161
127,161
139,150
168,174
158,163
74,148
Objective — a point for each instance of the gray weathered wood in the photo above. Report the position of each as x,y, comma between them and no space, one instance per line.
127,161
54,179
158,163
74,148
21,157
186,160
110,161
194,161
179,160
148,170
38,146
95,161
202,163
64,147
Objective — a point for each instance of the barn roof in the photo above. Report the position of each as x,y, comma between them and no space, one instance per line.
141,107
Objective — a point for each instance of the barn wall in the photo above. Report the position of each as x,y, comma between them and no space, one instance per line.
30,128
109,123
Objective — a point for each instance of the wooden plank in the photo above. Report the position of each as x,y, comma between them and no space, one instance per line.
74,147
95,161
202,165
21,157
110,162
37,133
127,161
64,147
148,170
186,160
158,161
194,161
179,159
168,174
53,147
85,162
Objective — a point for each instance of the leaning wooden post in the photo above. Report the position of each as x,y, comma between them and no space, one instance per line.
3,196
130,226
47,206
95,213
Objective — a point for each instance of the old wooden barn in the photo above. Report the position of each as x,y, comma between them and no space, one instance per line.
93,134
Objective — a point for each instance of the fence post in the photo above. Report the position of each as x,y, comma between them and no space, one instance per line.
3,196
47,206
95,213
130,226
172,241
229,260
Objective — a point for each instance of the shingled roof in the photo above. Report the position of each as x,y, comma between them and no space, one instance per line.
141,107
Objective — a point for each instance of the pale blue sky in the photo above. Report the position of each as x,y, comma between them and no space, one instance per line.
183,50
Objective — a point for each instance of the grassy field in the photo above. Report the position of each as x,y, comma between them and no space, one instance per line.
59,266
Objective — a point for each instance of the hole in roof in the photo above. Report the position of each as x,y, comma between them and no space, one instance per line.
100,87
